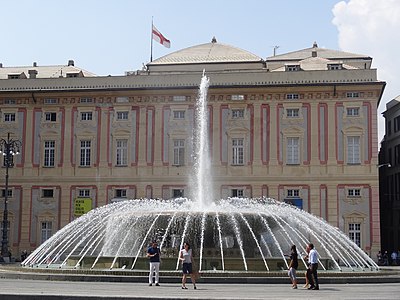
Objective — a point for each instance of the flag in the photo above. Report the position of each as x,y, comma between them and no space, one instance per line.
158,37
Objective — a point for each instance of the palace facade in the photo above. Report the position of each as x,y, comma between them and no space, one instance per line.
299,127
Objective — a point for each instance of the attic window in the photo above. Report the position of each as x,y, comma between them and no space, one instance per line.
13,76
86,100
237,97
353,95
292,68
50,101
292,96
335,66
71,75
9,101
179,98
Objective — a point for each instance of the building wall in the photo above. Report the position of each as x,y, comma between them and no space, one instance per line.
389,178
320,181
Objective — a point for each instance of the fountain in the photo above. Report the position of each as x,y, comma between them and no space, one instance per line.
227,235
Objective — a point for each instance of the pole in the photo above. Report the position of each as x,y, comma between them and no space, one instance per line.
4,242
151,41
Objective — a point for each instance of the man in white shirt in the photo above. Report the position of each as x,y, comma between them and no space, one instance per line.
313,266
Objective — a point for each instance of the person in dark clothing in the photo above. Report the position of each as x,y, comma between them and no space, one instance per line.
293,265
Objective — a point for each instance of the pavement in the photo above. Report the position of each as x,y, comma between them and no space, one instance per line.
63,290
22,284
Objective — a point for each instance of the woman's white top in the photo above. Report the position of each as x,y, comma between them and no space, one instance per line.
186,255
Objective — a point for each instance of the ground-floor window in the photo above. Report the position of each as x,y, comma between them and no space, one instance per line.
46,230
355,233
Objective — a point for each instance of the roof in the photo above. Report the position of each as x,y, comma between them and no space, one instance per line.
322,52
207,53
55,71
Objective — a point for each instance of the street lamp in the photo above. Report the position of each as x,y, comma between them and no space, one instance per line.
384,165
8,148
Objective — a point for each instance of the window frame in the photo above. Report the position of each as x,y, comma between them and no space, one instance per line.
237,151
85,153
49,152
121,152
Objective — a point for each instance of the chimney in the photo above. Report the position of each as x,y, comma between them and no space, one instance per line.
1,65
32,73
71,62
314,53
35,64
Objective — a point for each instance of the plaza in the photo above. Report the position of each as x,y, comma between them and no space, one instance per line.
40,289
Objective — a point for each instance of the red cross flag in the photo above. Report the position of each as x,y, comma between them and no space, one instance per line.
158,37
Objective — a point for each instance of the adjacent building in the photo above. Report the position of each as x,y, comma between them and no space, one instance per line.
299,127
389,175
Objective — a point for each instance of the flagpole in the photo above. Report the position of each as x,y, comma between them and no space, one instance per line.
151,38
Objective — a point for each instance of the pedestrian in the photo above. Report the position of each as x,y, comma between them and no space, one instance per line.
379,258
385,258
313,266
307,274
186,256
293,265
394,258
153,253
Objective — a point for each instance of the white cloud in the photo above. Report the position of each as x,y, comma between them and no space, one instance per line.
372,27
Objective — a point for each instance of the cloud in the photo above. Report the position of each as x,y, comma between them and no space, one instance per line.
372,27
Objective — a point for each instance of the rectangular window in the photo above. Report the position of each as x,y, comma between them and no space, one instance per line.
9,193
179,152
292,112
86,116
120,193
293,193
352,94
85,153
237,97
177,193
14,76
389,127
238,152
122,115
50,101
50,116
10,101
353,150
292,68
46,230
239,193
355,233
293,151
9,117
122,153
237,113
179,98
397,124
86,100
84,193
179,114
353,111
335,66
397,155
292,96
47,193
354,193
49,153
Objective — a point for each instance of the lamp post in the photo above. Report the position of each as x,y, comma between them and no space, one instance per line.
8,148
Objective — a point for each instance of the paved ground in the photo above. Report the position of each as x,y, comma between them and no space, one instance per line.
45,290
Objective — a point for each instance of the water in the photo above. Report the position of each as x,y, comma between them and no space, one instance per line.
226,235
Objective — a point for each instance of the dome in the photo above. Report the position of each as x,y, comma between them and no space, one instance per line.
207,53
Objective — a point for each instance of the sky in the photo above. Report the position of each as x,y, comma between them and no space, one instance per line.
110,37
